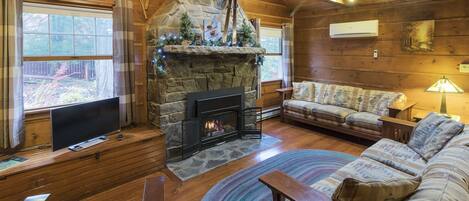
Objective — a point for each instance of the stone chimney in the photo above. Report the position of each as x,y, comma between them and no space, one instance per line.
167,19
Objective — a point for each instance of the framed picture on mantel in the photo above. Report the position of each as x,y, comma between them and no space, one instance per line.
212,29
417,36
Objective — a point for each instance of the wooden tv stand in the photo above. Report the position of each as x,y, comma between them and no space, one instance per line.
69,175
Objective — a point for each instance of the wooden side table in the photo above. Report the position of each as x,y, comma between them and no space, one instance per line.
286,94
397,129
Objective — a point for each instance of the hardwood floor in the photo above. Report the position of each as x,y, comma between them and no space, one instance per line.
293,136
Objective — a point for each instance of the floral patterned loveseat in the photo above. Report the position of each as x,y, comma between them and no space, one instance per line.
346,109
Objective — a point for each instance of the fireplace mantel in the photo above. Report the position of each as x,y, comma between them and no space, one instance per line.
210,50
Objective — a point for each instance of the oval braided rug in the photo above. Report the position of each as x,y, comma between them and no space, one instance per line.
306,166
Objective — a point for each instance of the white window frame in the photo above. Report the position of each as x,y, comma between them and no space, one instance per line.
49,9
269,31
68,11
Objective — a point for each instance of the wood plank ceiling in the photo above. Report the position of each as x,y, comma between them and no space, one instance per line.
297,5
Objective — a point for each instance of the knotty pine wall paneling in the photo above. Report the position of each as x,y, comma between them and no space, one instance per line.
273,13
350,61
141,61
270,98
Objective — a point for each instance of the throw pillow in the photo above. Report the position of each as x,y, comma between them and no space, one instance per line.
378,102
319,91
394,190
432,133
303,91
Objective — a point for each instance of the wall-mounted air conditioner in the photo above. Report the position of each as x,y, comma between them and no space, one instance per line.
360,29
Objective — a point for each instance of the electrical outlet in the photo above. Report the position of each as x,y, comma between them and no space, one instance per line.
375,54
464,68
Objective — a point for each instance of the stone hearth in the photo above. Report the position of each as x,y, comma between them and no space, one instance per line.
196,69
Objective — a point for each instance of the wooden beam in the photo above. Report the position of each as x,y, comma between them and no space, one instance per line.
307,3
144,10
297,7
340,2
66,58
147,4
93,4
235,19
227,21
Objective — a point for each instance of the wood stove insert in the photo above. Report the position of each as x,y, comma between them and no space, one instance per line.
213,118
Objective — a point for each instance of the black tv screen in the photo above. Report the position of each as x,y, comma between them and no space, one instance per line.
78,123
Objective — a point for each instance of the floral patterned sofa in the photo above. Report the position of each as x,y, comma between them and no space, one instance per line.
346,109
443,177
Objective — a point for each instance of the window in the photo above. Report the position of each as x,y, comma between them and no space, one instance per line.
67,55
271,40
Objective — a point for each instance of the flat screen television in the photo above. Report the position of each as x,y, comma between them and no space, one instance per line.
78,123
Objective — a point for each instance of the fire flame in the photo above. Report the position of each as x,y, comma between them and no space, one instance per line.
214,126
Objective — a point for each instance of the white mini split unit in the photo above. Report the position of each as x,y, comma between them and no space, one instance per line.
362,29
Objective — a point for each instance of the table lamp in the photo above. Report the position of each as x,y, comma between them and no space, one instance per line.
444,85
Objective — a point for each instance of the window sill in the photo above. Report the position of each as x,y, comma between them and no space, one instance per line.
271,81
37,114
41,113
43,109
37,111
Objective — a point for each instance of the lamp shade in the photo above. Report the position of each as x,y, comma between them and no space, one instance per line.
444,85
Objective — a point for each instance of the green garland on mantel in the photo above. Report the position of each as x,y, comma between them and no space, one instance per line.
188,37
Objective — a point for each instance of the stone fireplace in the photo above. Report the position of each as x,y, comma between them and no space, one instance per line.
193,70
199,69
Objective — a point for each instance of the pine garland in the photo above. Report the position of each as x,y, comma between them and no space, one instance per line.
159,59
245,38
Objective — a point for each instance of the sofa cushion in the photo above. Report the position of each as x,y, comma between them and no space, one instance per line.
332,112
303,91
446,177
319,91
396,155
342,96
460,140
354,190
432,133
377,102
362,169
364,120
299,106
